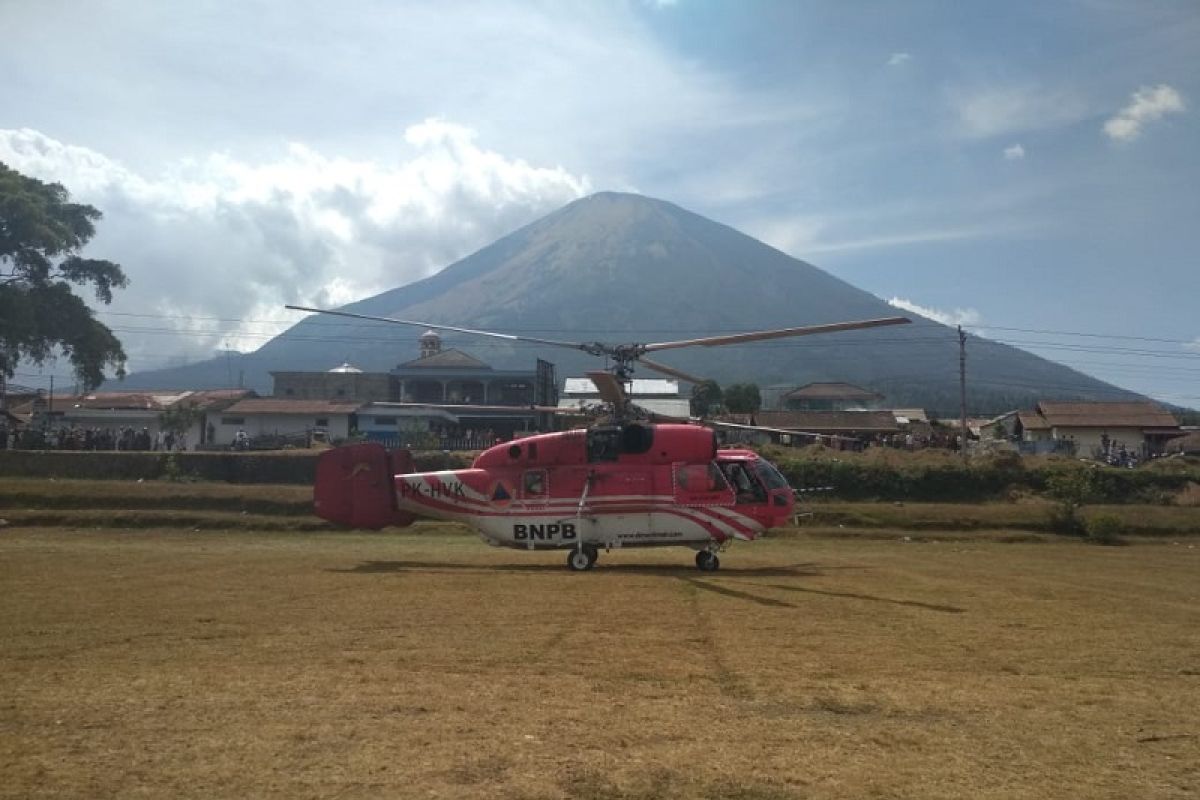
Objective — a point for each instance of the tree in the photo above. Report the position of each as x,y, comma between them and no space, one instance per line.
706,397
743,398
41,234
180,417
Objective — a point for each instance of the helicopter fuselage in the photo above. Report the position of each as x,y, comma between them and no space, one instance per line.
636,485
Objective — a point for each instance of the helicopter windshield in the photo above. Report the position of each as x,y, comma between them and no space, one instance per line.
769,475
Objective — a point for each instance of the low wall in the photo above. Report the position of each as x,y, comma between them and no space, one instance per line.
289,467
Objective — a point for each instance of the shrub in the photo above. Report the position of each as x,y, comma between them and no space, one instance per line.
1106,529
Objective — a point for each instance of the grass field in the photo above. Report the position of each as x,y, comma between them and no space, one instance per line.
165,662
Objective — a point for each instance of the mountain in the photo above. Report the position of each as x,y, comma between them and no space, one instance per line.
626,268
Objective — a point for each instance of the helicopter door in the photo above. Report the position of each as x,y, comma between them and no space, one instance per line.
701,485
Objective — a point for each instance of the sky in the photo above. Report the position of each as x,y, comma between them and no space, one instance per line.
1026,169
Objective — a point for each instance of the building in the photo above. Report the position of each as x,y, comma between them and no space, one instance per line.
828,397
288,421
656,395
118,417
1097,430
343,382
503,403
789,427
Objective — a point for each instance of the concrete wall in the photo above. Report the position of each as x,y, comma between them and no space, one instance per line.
277,424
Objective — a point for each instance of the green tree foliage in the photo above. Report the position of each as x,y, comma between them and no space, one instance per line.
41,234
743,398
706,398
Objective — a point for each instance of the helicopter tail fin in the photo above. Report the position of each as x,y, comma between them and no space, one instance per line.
356,486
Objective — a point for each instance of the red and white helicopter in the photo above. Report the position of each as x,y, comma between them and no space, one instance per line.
628,482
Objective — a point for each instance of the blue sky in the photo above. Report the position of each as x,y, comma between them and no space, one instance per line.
1027,166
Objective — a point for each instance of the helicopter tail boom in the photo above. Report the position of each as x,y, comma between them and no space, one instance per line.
354,486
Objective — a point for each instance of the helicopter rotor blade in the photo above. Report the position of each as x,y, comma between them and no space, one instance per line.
611,390
665,370
778,333
439,326
828,437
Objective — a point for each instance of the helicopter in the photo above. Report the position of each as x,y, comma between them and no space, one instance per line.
630,480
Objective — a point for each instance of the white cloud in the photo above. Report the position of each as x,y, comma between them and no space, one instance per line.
997,111
231,241
901,239
899,58
1014,152
1146,105
959,316
1194,344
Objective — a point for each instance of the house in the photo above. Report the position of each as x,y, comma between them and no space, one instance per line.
859,425
828,397
1096,430
283,418
117,413
656,395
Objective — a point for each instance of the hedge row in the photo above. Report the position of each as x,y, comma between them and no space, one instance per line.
974,483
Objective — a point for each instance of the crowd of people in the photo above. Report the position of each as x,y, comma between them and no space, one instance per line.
76,438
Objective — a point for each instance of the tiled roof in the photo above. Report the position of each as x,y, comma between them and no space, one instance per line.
453,359
1031,421
148,401
1106,415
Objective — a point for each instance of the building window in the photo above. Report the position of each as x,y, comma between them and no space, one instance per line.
290,392
322,422
341,392
233,420
385,420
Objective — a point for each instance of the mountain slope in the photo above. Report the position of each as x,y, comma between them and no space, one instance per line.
619,268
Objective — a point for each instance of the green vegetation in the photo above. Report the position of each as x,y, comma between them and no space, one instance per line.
743,398
940,477
41,235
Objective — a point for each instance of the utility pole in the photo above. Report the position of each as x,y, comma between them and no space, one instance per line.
962,392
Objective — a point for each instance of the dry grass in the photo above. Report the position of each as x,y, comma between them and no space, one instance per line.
167,663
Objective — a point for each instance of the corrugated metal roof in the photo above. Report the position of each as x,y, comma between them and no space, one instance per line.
273,405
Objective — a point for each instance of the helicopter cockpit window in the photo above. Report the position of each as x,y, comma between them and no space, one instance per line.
770,476
748,489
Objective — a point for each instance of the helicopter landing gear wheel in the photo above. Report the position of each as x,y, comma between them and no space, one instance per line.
582,558
707,562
